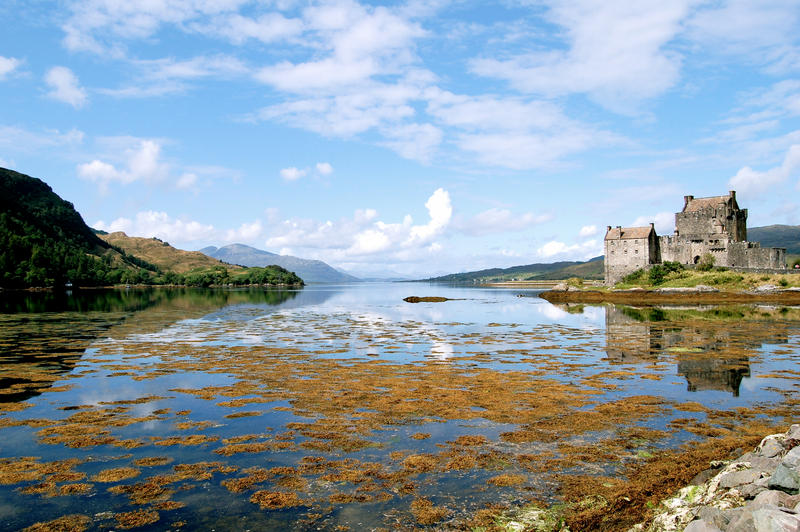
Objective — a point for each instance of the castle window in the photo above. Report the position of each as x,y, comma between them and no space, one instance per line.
636,251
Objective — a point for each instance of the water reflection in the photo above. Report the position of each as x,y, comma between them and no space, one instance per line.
44,334
712,344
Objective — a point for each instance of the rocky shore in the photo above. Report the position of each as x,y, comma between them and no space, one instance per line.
758,491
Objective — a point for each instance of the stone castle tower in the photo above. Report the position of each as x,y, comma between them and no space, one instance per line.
714,225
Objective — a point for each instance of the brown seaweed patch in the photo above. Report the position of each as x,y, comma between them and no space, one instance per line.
236,448
169,505
65,523
420,463
272,500
150,461
243,414
116,474
137,518
420,436
426,513
425,299
507,480
194,439
75,489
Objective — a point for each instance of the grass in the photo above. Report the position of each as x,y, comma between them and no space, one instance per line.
717,278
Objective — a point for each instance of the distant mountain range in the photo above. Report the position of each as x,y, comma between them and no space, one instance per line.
311,271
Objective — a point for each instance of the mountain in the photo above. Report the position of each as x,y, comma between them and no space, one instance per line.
312,271
45,242
592,269
162,255
777,236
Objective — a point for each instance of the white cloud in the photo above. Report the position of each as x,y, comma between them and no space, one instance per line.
754,183
763,32
556,250
324,169
24,140
65,87
238,29
149,224
587,231
292,173
8,65
414,141
615,52
364,235
497,220
247,232
187,180
664,222
141,161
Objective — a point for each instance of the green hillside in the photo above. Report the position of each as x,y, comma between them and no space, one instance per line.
777,236
592,269
44,242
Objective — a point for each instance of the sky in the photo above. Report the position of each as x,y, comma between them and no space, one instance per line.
413,138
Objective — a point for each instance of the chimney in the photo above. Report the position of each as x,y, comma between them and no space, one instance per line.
608,228
652,225
686,200
732,194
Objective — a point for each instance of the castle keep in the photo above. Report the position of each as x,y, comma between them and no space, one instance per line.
714,225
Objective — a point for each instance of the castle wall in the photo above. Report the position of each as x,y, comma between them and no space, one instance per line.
752,256
625,256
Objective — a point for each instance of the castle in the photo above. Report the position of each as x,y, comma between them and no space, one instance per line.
714,225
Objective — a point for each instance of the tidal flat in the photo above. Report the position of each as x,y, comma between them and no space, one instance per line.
343,407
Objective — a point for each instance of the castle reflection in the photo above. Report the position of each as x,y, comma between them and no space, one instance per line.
712,345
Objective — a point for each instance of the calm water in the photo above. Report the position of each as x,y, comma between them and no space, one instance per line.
345,406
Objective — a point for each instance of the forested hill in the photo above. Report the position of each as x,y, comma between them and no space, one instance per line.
45,242
592,269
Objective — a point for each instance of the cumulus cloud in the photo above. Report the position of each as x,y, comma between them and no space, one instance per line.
8,65
664,222
141,161
324,169
158,224
556,250
292,173
247,232
587,231
65,87
754,183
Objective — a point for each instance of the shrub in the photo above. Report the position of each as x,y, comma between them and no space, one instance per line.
577,282
633,276
706,262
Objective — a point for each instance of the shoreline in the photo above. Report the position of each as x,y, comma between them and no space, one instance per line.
671,296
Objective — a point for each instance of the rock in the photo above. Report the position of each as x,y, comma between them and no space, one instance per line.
772,519
785,479
714,516
772,498
560,287
706,288
743,523
766,288
793,436
771,446
792,458
737,478
749,491
701,525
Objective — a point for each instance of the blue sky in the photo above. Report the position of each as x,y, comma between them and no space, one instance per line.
415,137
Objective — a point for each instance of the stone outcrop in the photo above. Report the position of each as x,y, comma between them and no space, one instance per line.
758,491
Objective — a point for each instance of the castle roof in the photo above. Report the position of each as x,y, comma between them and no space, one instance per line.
699,204
625,233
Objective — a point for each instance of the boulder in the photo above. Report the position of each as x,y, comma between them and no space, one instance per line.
785,479
773,519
